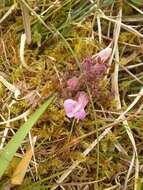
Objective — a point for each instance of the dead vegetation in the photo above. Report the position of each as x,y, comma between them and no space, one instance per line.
42,46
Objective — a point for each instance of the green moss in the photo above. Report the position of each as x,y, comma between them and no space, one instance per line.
51,59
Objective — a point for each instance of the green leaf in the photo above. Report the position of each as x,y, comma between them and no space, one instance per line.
13,145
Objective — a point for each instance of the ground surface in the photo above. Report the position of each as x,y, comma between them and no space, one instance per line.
104,150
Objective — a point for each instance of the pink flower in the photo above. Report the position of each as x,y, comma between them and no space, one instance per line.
104,55
73,83
76,108
87,64
100,69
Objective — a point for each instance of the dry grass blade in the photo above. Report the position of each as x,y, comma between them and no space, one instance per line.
25,114
22,47
136,8
8,12
127,27
117,96
20,171
116,53
11,87
26,22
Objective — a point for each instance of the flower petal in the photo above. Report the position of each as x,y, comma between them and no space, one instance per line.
83,99
69,106
76,108
104,54
100,69
80,115
73,83
87,64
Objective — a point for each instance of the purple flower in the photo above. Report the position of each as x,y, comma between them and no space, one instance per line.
96,68
103,55
75,108
100,69
73,83
87,64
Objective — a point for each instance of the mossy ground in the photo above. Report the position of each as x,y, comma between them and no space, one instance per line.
52,56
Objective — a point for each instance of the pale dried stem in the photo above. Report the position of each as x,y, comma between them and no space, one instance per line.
33,153
118,102
32,143
10,87
134,7
109,25
115,76
21,52
126,27
26,113
116,54
4,50
131,74
4,134
8,12
26,22
7,125
99,29
134,66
